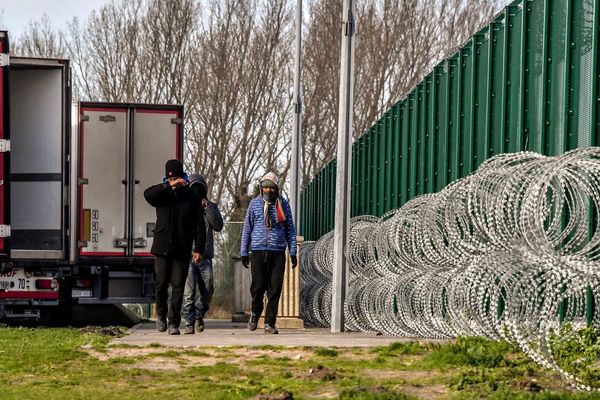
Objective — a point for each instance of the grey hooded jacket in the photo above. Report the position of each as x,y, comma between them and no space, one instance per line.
212,217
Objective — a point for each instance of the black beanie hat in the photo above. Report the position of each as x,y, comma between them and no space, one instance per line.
174,168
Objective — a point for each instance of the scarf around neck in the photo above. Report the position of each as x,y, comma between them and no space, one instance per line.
279,213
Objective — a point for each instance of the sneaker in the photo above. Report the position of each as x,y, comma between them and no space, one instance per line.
271,329
189,329
252,322
173,330
161,324
199,324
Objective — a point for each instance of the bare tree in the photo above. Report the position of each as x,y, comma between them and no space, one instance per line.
242,96
229,63
40,39
397,44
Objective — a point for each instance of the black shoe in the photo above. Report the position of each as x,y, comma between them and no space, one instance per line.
199,324
271,329
252,322
189,329
173,330
161,324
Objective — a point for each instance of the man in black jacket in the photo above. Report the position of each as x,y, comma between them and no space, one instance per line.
178,226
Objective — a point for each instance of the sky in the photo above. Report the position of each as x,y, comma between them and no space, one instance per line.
16,14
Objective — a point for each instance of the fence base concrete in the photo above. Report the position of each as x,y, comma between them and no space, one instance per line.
284,322
289,303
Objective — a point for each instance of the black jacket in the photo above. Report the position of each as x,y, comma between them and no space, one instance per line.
178,222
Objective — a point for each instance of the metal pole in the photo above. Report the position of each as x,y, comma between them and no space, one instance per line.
296,142
343,173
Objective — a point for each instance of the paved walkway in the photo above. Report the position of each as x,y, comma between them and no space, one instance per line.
225,333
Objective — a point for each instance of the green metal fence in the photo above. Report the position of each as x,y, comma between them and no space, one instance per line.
528,81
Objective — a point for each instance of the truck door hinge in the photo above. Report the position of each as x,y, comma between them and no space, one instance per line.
4,231
176,121
85,118
4,59
139,243
4,145
120,243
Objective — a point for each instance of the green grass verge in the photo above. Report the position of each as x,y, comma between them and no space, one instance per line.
48,363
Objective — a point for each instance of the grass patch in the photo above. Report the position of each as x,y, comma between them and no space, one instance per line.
401,348
325,352
374,393
578,352
472,351
166,354
48,363
197,353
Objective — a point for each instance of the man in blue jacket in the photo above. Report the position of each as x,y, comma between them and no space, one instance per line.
268,230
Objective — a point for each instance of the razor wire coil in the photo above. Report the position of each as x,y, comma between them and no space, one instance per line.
509,252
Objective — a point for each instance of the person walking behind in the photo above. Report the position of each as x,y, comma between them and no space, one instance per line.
201,274
178,226
268,230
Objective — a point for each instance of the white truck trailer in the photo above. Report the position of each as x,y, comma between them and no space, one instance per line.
74,225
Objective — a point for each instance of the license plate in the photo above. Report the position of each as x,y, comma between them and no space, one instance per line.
81,292
4,285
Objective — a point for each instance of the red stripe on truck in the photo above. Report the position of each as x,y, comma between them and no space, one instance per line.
102,253
28,295
103,109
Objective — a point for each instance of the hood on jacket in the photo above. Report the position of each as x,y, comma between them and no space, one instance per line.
198,185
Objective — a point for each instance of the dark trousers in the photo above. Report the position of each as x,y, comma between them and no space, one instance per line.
174,272
267,269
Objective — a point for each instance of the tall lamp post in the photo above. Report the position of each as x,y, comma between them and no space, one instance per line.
296,142
343,173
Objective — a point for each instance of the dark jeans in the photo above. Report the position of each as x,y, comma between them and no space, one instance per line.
169,271
267,269
201,276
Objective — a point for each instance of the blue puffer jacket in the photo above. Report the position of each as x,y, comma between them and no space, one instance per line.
256,236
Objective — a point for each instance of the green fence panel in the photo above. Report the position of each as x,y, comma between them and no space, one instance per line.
389,154
556,76
422,139
527,81
498,87
397,163
442,128
413,107
379,187
404,133
467,67
453,118
514,78
432,130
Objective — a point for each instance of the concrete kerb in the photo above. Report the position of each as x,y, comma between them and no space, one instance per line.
222,333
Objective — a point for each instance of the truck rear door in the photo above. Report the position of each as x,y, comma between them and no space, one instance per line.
123,149
3,133
34,157
157,138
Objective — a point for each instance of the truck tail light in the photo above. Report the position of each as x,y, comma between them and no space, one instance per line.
46,284
82,282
